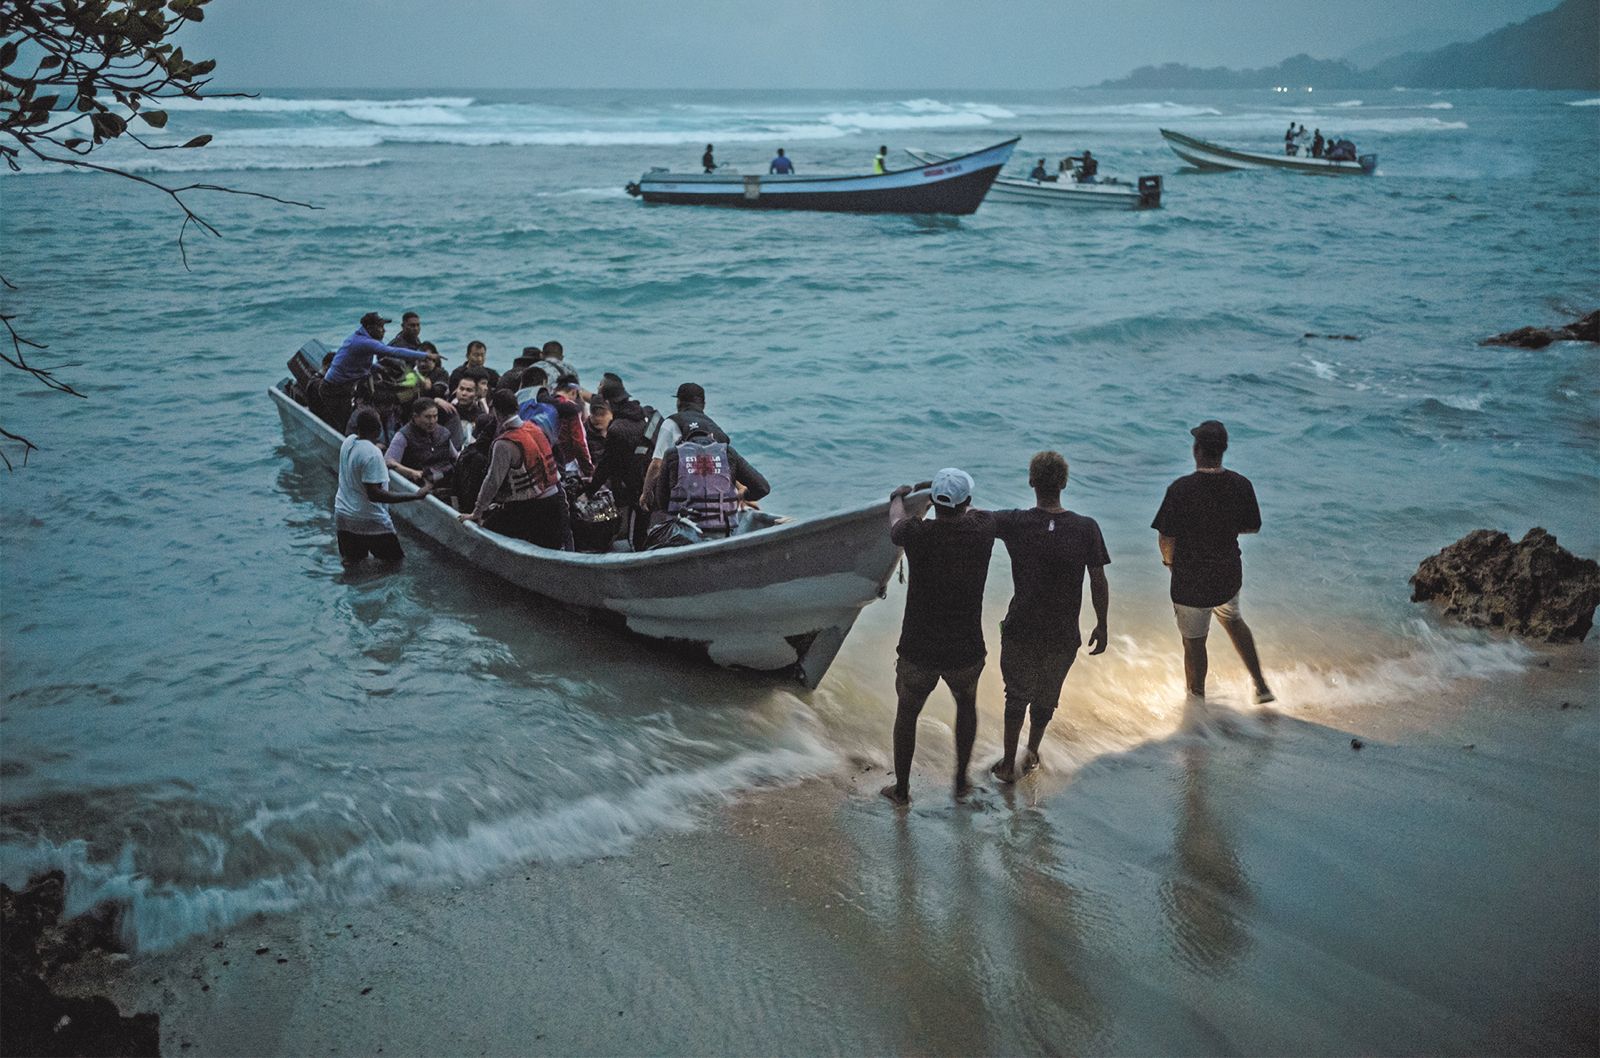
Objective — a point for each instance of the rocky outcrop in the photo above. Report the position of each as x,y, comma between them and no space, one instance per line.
34,1020
1534,588
1586,329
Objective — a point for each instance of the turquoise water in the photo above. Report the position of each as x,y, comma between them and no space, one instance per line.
204,718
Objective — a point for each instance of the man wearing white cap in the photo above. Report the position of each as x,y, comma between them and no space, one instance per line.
942,634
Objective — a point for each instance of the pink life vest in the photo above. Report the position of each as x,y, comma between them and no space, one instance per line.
705,490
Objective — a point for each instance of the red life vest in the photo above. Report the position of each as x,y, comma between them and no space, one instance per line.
538,471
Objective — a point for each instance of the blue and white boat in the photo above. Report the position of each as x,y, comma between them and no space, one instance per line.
952,185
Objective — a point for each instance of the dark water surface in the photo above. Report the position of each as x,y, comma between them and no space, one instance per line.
204,717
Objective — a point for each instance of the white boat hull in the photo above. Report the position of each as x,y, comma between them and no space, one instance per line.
778,600
1214,156
1077,196
1065,192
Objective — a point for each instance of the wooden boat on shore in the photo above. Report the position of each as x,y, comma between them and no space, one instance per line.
1213,156
953,185
1104,194
778,600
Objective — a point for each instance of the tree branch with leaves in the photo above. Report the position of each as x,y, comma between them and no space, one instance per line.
78,74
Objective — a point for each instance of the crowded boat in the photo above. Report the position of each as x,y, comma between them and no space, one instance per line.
531,452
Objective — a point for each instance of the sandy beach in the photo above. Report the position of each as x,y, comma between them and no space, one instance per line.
1256,886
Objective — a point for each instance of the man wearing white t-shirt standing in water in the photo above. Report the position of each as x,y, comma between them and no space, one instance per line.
359,507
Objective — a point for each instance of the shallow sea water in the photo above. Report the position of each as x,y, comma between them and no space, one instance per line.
204,717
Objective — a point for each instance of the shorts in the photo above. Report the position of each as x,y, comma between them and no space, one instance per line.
1194,622
353,547
915,682
1034,672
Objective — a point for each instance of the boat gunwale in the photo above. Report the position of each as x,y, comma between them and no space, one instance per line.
782,532
783,179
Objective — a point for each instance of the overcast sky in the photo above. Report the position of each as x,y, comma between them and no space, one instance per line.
798,44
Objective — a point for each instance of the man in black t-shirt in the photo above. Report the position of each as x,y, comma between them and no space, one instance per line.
942,634
1050,549
1200,521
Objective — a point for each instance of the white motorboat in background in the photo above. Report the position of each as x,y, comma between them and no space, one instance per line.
1102,194
1203,155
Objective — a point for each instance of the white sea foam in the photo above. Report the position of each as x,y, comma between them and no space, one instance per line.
1463,403
276,105
1583,102
202,162
1348,103
158,915
1437,106
1323,371
407,115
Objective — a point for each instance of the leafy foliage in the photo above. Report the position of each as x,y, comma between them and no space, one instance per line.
77,74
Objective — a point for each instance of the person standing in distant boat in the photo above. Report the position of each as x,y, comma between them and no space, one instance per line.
941,636
360,507
880,163
1051,548
781,164
1039,172
1200,520
708,161
1316,144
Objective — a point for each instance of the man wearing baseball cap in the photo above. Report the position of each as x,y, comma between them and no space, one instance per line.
941,637
352,365
1200,520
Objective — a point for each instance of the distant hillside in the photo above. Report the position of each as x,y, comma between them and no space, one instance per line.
1557,49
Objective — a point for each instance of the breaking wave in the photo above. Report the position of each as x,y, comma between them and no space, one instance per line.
156,915
275,105
1583,102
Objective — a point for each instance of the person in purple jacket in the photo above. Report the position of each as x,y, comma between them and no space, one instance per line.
352,365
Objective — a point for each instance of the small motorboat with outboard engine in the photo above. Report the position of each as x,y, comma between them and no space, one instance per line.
780,599
1109,193
1203,155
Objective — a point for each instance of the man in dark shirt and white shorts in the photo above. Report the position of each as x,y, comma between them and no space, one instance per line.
942,634
1200,521
1050,550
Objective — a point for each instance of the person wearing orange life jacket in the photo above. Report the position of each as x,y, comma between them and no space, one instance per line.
521,495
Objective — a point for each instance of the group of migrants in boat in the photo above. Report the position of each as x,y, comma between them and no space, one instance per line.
1334,148
528,453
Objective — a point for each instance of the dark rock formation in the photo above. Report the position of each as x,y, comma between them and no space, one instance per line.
34,1020
1585,330
1533,588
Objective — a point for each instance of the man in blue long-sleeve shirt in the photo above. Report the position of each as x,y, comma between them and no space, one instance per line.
352,364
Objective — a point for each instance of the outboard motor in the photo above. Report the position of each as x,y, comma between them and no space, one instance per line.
1149,192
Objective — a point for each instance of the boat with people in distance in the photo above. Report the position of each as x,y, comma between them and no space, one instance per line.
953,185
1109,193
1204,155
777,600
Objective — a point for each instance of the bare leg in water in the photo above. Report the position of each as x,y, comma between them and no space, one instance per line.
1245,644
912,686
1194,665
